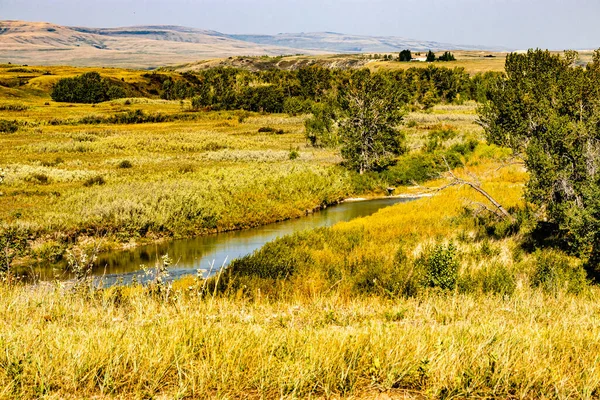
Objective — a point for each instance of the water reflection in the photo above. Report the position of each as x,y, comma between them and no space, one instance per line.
190,255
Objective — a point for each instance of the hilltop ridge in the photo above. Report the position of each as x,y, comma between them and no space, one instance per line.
150,46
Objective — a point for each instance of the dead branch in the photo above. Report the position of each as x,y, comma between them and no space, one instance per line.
456,181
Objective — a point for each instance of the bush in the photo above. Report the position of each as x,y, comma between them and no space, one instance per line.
94,180
8,126
268,129
13,107
441,266
498,279
554,272
38,178
125,164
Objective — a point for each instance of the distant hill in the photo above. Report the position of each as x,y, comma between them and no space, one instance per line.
44,43
332,42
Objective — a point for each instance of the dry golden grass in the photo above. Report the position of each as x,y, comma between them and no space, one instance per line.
307,339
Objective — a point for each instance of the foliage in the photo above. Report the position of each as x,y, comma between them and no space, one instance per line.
13,243
430,56
87,88
368,131
125,164
405,55
320,127
7,126
441,266
97,180
447,56
554,273
547,111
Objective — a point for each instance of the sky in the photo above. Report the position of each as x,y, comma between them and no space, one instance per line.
552,24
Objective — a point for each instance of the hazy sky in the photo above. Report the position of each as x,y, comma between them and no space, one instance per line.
554,24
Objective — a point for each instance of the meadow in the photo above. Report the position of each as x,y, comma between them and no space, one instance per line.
436,298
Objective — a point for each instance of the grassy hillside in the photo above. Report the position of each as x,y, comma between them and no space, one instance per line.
50,44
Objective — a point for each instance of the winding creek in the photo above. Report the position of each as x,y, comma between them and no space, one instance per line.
191,255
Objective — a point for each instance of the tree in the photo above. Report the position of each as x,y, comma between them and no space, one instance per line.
548,112
405,55
447,56
87,88
368,131
320,129
430,56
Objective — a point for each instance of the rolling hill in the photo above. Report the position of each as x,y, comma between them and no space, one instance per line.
44,43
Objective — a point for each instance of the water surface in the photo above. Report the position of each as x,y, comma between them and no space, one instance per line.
211,252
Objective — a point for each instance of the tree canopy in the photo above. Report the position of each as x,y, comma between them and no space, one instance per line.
87,88
548,111
368,131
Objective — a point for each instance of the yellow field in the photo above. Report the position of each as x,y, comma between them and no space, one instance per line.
355,317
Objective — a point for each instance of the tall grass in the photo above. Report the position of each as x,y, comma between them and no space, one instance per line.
128,344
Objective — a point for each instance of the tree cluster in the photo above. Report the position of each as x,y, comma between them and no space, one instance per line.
87,88
547,109
295,92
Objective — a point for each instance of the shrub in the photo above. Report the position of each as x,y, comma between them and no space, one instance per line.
8,126
294,153
13,107
268,129
187,169
94,180
13,242
125,164
441,266
53,163
554,272
38,178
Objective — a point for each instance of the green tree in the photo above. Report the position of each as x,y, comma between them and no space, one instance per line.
405,55
447,56
320,128
430,56
548,112
87,88
371,109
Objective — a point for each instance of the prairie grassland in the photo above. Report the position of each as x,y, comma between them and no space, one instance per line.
302,335
356,310
211,172
72,175
530,345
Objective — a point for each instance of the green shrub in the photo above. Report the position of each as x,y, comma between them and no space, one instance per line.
8,126
125,164
13,107
14,243
555,272
497,279
275,260
294,153
441,266
465,148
